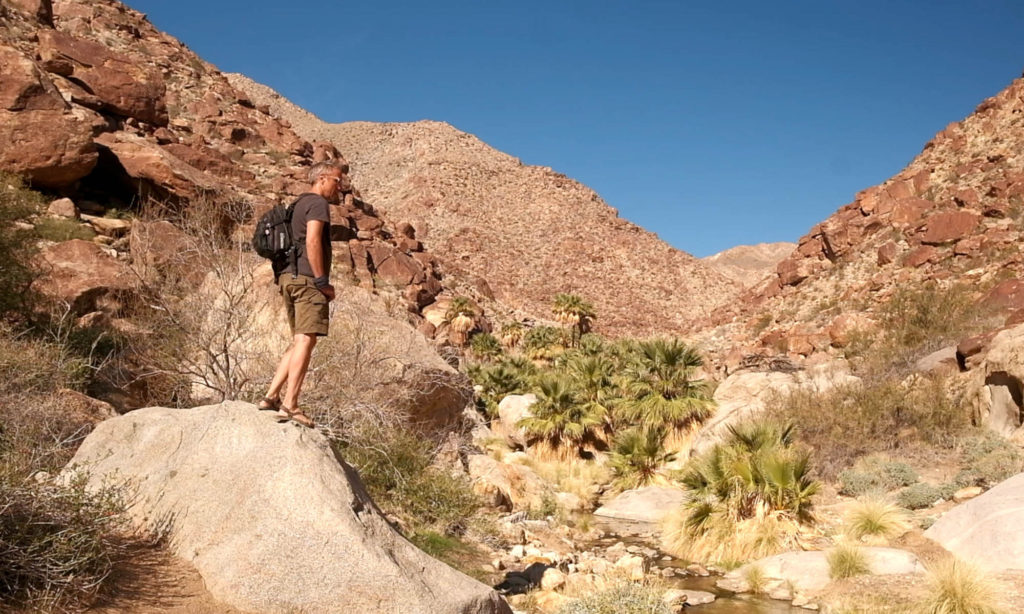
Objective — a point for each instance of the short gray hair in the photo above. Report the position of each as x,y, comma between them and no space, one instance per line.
322,168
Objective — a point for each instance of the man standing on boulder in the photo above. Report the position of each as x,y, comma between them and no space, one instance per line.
307,293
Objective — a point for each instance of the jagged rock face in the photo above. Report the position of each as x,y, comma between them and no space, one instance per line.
529,231
952,215
97,103
749,264
269,516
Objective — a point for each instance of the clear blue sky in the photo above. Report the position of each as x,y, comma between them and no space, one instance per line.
711,123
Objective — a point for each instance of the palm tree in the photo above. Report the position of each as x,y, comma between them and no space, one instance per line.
574,313
592,377
485,347
511,333
496,382
659,388
542,343
560,423
638,454
461,318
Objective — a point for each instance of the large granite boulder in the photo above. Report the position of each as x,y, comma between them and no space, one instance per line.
996,386
506,485
986,530
511,410
273,520
648,504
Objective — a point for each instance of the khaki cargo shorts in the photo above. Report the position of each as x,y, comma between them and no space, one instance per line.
307,307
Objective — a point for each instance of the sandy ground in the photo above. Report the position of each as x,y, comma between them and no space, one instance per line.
155,581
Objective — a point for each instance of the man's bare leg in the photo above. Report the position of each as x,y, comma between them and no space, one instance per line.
280,376
298,364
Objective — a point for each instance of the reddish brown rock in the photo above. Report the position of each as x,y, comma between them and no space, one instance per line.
209,160
919,256
949,226
967,247
156,245
845,326
52,148
144,159
792,271
39,10
82,274
908,211
393,266
886,253
972,350
966,197
24,86
1005,296
123,84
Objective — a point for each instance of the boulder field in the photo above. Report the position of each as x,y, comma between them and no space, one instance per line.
270,516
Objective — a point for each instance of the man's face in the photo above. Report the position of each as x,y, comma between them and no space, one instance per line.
333,180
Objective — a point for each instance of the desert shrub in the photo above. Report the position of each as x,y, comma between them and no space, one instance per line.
919,496
876,474
397,472
875,521
637,455
846,561
987,460
59,543
623,597
954,587
852,420
62,229
16,244
750,494
582,478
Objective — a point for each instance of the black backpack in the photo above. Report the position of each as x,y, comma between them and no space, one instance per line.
272,238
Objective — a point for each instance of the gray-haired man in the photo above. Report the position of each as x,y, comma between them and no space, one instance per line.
307,294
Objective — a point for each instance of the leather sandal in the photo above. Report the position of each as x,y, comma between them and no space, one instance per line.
295,415
268,404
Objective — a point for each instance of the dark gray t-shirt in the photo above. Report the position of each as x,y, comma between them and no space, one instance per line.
310,207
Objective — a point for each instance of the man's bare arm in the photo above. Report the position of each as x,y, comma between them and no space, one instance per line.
314,247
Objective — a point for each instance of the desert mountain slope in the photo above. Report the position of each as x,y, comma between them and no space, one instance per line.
749,264
528,231
951,220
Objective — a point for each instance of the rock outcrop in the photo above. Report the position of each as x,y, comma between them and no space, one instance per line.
749,264
271,518
985,530
996,384
648,504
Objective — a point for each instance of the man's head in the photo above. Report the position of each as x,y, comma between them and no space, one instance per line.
326,179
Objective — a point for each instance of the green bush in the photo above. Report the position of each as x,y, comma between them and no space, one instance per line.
919,496
988,460
16,245
876,475
62,229
845,561
398,474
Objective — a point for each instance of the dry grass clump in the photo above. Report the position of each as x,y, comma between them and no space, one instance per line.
578,477
622,597
875,521
754,576
957,588
852,420
846,561
727,540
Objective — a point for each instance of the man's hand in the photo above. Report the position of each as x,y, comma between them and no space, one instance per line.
328,291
